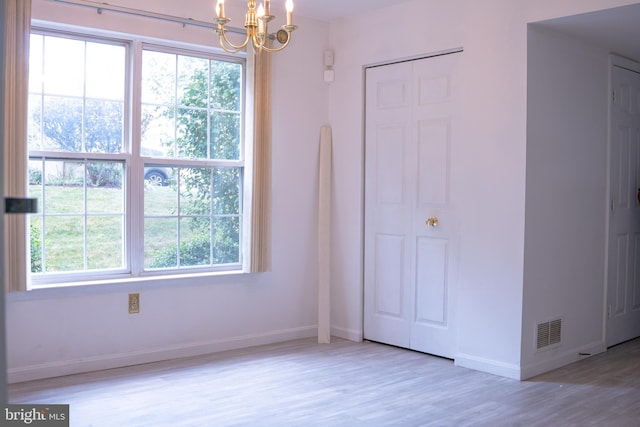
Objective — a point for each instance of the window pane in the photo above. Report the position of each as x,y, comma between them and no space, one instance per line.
35,228
64,243
105,242
158,78
160,200
191,133
62,124
195,238
193,75
195,191
158,131
63,66
105,71
35,63
227,240
34,120
103,126
64,187
35,181
225,136
225,115
105,192
226,78
160,242
226,191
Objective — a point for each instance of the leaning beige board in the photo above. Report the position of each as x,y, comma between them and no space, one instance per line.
324,237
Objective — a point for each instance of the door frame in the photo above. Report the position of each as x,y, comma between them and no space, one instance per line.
614,61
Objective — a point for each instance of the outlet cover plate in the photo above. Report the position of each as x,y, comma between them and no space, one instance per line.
134,303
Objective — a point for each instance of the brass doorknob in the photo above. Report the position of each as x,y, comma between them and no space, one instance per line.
432,222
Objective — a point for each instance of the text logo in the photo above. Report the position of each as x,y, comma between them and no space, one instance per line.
35,415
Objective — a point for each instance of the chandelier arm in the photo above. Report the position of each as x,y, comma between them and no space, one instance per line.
258,42
230,47
274,49
278,49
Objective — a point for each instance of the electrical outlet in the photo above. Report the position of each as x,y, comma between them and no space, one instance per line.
134,303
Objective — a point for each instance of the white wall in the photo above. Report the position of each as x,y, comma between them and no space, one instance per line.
490,165
566,197
59,331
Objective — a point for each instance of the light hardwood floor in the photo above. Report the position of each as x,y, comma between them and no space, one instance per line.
302,383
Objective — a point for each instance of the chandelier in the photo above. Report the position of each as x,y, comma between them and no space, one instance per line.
257,26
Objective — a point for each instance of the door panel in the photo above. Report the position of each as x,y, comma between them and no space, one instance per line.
433,163
431,281
623,280
389,271
390,165
411,115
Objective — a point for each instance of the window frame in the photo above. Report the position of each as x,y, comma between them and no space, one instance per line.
135,163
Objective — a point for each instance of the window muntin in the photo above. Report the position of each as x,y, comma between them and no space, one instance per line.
84,163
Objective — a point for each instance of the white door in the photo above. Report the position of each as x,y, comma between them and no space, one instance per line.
623,281
411,230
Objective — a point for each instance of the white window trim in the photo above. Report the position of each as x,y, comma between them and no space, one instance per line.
136,275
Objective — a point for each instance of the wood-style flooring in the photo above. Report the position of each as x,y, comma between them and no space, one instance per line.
302,383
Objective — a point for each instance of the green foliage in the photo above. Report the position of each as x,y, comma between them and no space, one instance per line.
35,176
36,249
195,251
210,100
104,174
70,176
213,91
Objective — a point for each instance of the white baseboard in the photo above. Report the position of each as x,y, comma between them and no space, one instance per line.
561,359
494,367
347,334
531,370
118,360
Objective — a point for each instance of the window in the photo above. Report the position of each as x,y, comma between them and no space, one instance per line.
136,155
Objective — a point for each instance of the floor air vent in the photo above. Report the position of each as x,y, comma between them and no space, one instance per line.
549,333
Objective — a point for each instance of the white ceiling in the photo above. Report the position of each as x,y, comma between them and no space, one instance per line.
327,10
616,29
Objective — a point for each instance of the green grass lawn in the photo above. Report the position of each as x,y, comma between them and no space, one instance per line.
88,233
64,226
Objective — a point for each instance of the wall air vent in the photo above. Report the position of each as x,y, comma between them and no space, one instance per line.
548,333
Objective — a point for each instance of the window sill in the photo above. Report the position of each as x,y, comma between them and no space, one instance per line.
130,284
